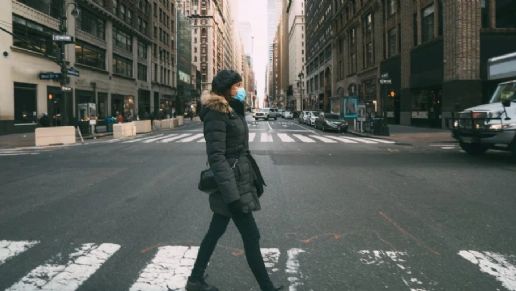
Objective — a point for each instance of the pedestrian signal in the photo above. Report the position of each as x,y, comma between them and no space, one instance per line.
50,96
392,94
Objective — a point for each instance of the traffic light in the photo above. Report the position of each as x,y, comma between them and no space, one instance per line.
392,93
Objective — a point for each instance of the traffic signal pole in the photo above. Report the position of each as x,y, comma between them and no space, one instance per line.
61,56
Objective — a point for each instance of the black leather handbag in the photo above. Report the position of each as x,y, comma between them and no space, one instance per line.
207,183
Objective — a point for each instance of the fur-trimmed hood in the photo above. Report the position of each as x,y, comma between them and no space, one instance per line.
215,102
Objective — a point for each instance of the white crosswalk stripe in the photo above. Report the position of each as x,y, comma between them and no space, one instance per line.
23,152
171,265
285,136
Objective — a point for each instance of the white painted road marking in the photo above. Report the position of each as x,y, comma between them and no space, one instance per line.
67,277
342,139
270,258
285,138
323,139
379,140
157,138
142,138
252,135
174,138
266,137
495,265
9,249
192,138
294,275
304,138
378,258
169,270
361,140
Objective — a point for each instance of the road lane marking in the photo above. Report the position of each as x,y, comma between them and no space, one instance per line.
285,138
252,135
266,137
168,270
304,138
157,138
142,138
361,140
342,139
10,249
379,140
270,258
67,277
192,138
294,275
270,128
323,139
167,140
408,276
495,265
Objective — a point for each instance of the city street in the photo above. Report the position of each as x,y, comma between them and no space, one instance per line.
340,212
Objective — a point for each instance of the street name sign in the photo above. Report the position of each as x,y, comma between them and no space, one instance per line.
50,76
62,38
385,81
73,72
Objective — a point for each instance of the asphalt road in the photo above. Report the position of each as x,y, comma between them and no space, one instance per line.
339,213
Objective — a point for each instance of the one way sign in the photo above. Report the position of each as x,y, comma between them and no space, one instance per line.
385,81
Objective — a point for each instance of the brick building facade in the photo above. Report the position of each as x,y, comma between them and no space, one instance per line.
434,51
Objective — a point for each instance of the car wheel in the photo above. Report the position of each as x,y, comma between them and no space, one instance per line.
275,118
255,118
474,148
315,125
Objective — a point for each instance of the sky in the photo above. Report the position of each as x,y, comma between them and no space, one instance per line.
255,11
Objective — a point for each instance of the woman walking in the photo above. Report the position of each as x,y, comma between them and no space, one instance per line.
227,145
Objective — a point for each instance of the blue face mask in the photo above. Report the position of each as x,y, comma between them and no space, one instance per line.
240,95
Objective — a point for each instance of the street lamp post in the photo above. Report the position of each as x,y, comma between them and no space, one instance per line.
61,52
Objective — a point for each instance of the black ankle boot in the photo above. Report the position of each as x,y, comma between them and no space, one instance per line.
199,285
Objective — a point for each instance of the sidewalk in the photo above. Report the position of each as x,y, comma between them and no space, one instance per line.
28,140
403,133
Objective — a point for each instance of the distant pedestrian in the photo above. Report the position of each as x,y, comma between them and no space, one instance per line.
239,179
45,120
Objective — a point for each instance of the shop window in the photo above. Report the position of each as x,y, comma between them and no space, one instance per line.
142,72
392,42
485,13
505,14
39,37
122,66
49,7
90,55
25,103
122,39
90,23
102,104
428,23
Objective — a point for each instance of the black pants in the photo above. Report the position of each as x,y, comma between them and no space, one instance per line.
251,237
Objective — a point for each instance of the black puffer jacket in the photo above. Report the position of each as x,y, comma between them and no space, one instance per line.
227,145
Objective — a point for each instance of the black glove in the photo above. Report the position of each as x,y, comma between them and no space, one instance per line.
259,188
236,208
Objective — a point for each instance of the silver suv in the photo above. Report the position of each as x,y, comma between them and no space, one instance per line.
266,113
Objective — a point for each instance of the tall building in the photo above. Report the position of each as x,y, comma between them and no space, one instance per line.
164,58
185,83
296,46
435,54
319,54
111,55
247,36
211,37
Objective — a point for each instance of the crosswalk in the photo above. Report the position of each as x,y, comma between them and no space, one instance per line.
170,266
22,152
254,137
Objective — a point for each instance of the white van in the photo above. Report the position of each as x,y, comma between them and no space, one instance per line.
492,125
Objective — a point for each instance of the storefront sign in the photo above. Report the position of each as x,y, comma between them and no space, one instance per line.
350,107
361,113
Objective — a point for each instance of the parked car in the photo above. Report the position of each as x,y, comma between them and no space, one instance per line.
266,113
331,121
312,115
301,117
288,115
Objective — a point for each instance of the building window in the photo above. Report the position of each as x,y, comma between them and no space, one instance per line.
440,15
39,37
142,50
115,6
369,23
142,72
122,39
102,104
49,7
25,103
353,63
428,23
485,13
129,17
505,14
392,7
122,11
369,55
90,55
414,26
90,23
122,66
392,42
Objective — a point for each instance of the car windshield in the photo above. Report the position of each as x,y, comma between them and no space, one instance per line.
504,92
264,110
315,113
332,116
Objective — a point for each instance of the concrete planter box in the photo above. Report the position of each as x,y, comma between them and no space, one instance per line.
197,119
121,130
143,126
45,136
181,120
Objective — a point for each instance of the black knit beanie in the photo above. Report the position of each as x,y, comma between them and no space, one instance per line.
224,80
